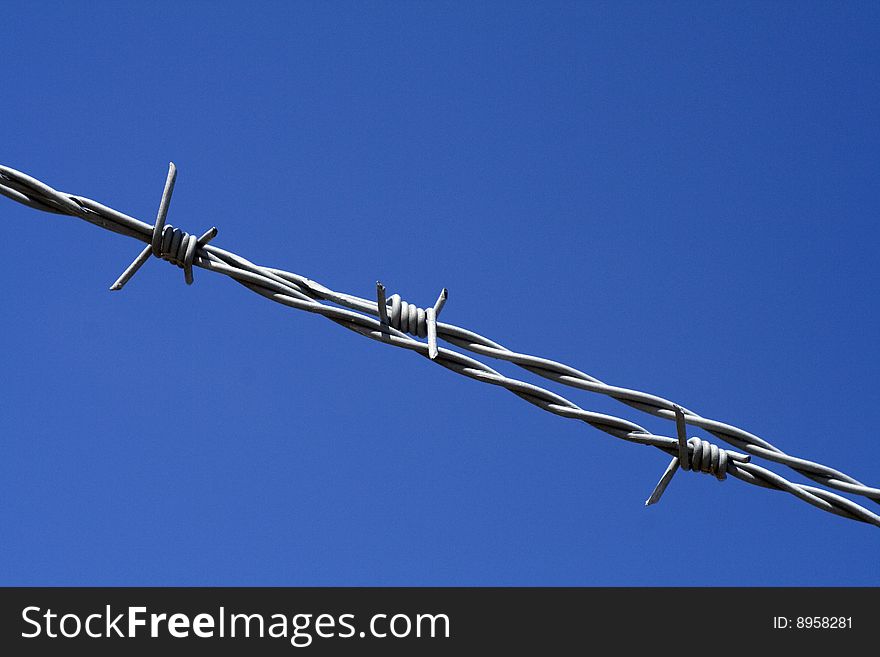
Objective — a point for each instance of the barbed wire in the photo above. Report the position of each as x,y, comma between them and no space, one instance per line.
400,323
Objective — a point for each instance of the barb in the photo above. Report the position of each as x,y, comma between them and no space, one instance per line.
410,319
167,242
706,458
358,314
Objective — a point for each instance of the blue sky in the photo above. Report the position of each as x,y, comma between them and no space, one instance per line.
676,197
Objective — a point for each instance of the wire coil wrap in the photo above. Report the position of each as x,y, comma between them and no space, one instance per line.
178,247
708,458
407,317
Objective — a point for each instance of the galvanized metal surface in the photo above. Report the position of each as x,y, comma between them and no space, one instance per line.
401,323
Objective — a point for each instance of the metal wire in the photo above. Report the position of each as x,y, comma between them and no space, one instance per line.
358,314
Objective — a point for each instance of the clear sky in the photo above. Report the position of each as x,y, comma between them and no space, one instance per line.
676,197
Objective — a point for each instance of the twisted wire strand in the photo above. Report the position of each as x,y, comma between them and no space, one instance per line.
357,314
642,401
